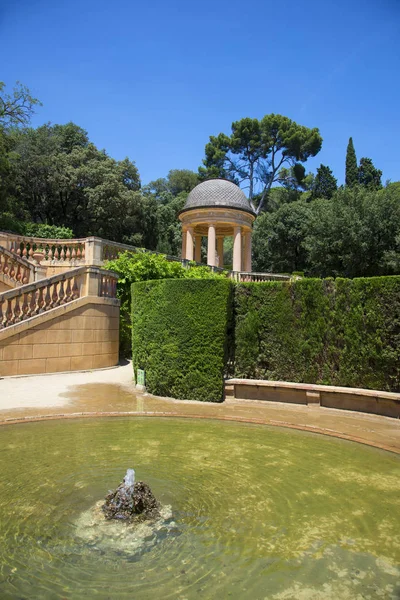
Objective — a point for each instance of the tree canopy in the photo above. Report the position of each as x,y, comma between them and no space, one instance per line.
259,153
368,175
324,184
17,108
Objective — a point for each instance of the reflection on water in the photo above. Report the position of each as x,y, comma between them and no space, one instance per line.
257,513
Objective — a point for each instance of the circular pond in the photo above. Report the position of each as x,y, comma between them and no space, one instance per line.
251,512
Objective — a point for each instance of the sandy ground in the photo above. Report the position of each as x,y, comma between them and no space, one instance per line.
111,392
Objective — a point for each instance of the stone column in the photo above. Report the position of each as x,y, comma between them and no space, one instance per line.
220,251
197,248
237,249
183,244
189,243
247,251
211,246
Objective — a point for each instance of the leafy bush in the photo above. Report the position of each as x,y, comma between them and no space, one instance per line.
144,266
43,230
179,336
338,332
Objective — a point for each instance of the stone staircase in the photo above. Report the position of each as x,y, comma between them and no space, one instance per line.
58,306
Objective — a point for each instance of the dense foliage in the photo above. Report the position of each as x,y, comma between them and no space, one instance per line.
179,336
55,177
260,153
355,233
343,332
144,266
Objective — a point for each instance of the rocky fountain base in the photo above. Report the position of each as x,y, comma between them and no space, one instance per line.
130,520
131,501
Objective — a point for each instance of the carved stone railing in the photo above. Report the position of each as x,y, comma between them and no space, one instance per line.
244,277
15,269
108,285
35,298
52,249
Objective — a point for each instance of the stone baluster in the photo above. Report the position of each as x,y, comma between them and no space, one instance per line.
61,293
25,306
68,291
9,312
47,298
75,290
5,267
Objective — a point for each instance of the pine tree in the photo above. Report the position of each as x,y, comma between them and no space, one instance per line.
325,184
351,165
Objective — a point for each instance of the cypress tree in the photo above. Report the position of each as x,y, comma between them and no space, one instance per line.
351,165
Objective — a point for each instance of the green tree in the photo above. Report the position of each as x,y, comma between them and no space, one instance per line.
279,239
62,179
259,153
170,195
351,165
368,175
325,184
355,233
16,109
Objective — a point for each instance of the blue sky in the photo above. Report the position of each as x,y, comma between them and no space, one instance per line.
153,80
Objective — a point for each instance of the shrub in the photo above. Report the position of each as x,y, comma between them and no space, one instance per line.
179,336
143,266
339,332
43,230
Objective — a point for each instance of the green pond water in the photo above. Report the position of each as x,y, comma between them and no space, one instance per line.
249,512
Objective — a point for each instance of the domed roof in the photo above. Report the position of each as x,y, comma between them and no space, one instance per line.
217,193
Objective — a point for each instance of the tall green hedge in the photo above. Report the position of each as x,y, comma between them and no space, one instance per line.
179,336
339,332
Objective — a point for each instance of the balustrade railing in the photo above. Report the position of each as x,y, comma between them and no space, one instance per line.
35,298
15,269
108,285
245,276
51,250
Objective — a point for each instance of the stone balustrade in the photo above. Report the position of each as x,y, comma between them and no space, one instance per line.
35,298
52,250
244,277
15,269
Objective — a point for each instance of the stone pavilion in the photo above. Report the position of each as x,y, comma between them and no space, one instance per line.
216,209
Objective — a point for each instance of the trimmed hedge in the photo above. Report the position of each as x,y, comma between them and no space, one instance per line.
335,332
179,336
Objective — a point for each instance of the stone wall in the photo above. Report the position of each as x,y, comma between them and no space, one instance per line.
360,400
78,336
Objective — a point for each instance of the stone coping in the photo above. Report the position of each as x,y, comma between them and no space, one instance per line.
179,415
311,387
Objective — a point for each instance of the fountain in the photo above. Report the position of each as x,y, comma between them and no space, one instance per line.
131,501
258,512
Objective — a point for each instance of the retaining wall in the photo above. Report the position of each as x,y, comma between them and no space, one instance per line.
83,334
